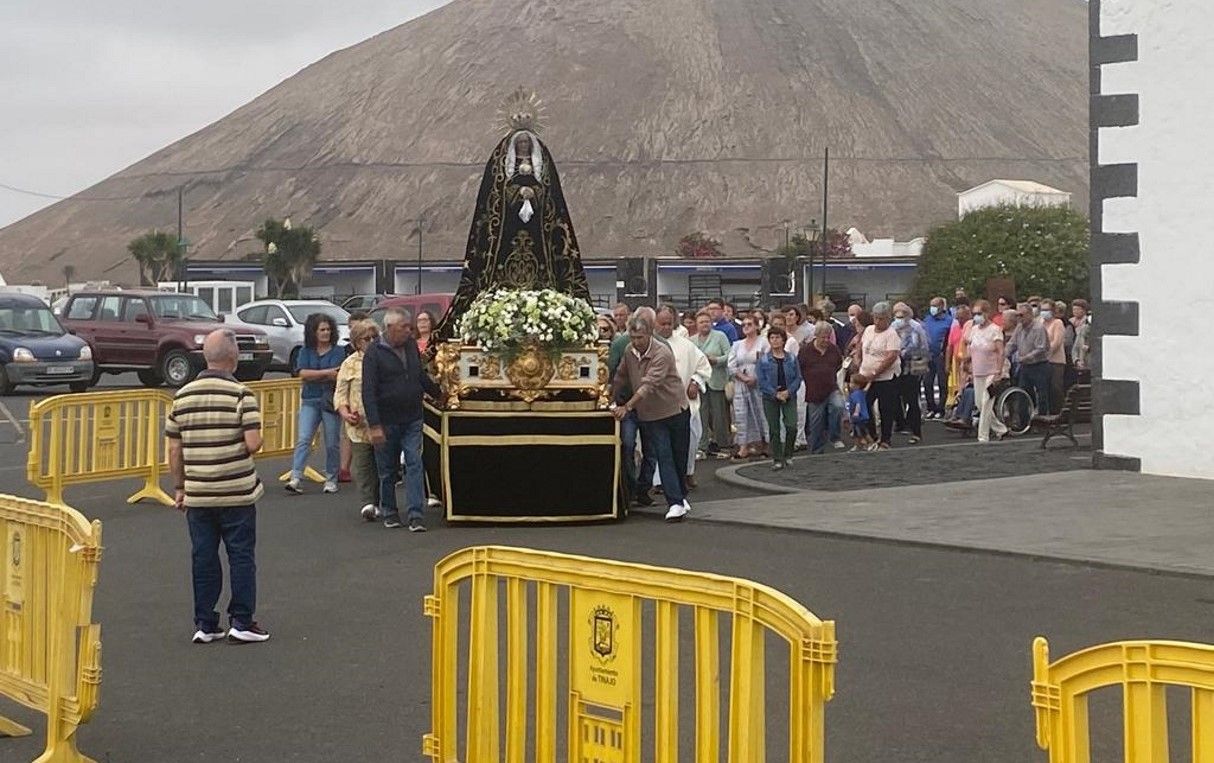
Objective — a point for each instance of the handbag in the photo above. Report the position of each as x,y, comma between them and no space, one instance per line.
729,390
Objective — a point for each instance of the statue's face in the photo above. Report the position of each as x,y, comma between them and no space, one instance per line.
522,147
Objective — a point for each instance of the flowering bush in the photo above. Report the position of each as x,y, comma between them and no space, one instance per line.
505,318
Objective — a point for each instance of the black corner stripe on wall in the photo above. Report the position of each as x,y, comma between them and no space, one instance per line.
1119,110
1113,50
1114,180
1117,318
1110,396
1101,460
1116,397
1115,248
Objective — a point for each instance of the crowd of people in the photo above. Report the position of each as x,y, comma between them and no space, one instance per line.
709,383
764,384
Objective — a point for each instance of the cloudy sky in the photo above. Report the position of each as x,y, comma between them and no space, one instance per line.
92,86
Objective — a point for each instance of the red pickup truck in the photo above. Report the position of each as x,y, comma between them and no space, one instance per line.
156,334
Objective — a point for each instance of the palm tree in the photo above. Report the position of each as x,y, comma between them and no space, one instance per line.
290,253
157,254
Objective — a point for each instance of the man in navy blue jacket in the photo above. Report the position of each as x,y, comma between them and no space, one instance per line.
394,380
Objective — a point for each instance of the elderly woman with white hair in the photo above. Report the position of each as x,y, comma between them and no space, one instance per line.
880,350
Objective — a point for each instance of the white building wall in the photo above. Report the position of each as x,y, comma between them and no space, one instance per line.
1172,146
995,194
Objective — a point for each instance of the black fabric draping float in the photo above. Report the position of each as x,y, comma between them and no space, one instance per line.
503,251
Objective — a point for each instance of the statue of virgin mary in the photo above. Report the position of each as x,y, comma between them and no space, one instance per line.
521,236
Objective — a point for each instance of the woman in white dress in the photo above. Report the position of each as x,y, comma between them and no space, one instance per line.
749,421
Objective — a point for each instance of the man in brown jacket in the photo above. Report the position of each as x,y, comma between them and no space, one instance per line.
660,401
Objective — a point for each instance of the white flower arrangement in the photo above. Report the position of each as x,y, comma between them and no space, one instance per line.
506,318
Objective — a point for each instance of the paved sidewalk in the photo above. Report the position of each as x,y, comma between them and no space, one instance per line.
1108,518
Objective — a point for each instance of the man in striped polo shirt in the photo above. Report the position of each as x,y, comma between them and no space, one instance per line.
214,428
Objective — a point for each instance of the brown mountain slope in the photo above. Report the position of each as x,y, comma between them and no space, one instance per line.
664,116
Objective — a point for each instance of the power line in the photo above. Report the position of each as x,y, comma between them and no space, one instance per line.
584,163
78,197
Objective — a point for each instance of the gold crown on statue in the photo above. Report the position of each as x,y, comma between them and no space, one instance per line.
521,110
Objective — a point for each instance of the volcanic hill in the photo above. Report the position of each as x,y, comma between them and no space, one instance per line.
664,117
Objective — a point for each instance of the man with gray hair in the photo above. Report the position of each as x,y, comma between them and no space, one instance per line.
213,430
1030,345
637,479
394,382
659,399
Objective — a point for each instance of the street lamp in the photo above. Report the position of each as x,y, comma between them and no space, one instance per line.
812,234
419,254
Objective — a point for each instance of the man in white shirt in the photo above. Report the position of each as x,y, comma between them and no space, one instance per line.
694,369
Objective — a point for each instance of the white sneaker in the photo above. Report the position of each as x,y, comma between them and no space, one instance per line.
676,512
368,512
433,502
292,486
839,445
330,486
206,637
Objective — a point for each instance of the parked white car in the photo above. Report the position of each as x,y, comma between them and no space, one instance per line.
283,321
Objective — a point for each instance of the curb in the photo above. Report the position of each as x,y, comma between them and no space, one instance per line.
729,475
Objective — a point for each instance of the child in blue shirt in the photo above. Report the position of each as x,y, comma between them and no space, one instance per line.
857,409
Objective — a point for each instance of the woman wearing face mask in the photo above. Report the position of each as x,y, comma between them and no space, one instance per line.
985,340
1056,333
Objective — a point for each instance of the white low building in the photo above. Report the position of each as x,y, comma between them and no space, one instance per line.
1020,193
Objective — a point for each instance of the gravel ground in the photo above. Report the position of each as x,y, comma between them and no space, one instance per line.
953,461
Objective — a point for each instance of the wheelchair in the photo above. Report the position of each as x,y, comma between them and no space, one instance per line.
1013,406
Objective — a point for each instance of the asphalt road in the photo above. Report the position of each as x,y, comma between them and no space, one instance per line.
934,644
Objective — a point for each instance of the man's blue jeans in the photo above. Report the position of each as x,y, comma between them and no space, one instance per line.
628,443
823,421
312,414
669,442
1035,378
398,439
237,528
936,377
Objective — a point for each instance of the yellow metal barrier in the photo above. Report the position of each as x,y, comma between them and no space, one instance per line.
278,400
604,603
99,436
1143,670
50,651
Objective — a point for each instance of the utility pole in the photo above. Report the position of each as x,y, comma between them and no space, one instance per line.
419,255
183,278
825,207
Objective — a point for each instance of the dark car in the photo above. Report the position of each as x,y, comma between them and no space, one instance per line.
364,302
158,335
36,349
435,304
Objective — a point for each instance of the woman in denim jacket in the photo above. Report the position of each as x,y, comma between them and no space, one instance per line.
779,379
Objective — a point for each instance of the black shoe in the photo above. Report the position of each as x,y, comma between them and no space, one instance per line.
416,526
643,498
393,522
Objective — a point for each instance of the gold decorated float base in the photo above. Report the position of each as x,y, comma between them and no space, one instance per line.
532,375
523,465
